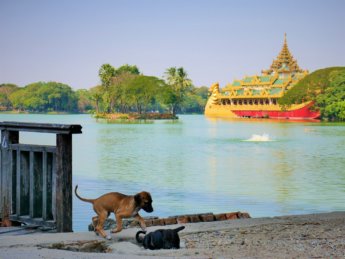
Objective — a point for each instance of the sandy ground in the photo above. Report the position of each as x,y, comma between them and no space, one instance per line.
303,236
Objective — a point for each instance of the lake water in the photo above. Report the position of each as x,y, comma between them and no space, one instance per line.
197,165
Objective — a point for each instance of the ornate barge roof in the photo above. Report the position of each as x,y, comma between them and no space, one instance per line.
282,74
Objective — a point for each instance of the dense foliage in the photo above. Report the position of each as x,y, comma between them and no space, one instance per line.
178,86
5,91
122,90
42,97
326,87
195,100
332,101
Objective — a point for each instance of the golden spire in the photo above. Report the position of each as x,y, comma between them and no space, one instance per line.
284,63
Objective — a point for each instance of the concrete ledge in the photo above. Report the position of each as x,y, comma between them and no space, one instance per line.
179,219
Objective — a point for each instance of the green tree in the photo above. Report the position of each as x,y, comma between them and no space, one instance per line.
17,99
43,97
332,101
114,83
5,91
120,93
195,100
130,69
106,73
96,97
179,84
60,97
325,87
309,87
84,100
143,91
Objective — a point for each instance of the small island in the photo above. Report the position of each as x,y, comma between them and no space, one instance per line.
134,117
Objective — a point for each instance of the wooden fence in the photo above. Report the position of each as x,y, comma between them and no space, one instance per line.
36,180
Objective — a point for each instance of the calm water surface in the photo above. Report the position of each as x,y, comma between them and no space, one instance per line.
200,165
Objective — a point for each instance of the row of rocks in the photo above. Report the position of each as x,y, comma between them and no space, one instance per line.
180,219
193,218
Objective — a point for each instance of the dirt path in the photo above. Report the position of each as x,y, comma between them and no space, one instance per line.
303,236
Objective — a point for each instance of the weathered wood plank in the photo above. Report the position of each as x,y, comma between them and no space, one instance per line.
50,187
7,138
25,183
18,184
38,182
41,127
1,183
31,184
44,185
14,180
53,182
64,182
34,148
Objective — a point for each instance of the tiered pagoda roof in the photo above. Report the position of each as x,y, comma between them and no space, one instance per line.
284,63
283,73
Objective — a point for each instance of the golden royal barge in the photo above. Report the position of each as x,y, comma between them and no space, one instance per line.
257,96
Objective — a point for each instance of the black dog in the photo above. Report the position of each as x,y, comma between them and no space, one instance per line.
161,238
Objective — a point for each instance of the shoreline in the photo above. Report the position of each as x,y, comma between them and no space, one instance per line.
294,236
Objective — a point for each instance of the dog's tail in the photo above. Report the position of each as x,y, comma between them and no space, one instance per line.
81,198
179,229
140,239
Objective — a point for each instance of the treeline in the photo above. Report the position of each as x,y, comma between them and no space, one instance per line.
122,90
326,87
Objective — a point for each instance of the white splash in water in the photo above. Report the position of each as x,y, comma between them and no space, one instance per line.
259,138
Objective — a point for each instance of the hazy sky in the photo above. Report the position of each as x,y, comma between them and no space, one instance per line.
214,40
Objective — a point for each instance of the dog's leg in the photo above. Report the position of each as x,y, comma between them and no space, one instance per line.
141,222
118,224
94,223
99,228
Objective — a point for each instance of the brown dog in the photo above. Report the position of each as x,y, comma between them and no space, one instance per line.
123,206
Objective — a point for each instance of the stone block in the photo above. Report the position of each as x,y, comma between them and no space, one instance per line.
183,219
231,215
243,215
194,218
148,223
219,217
207,217
158,222
170,221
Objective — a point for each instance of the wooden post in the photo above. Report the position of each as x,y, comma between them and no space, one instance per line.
63,179
44,186
7,138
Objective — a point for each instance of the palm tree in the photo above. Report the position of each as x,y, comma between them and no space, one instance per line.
96,96
180,84
106,73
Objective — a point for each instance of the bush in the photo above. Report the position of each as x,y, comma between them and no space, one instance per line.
326,88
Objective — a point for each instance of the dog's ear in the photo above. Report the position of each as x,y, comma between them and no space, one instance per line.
137,199
138,238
